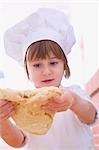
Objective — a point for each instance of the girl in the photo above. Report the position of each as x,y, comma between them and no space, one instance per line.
45,59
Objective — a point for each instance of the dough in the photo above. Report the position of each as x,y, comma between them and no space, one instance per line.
29,116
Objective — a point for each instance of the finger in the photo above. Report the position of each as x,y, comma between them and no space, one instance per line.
4,116
56,108
6,111
55,104
10,114
3,102
51,109
6,107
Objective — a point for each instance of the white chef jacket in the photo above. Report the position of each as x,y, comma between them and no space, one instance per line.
66,133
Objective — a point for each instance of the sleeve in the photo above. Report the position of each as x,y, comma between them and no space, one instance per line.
79,91
82,93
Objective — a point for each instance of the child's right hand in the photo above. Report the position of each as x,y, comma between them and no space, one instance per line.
7,109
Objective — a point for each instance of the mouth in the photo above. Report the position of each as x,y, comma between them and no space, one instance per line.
47,81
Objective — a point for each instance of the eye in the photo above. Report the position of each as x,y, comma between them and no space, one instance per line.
36,65
54,63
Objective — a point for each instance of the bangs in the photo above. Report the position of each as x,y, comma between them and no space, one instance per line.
42,49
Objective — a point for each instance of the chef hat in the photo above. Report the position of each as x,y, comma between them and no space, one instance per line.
44,24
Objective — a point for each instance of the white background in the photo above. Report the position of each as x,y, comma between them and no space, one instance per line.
84,58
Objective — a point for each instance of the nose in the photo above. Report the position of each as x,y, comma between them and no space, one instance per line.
46,71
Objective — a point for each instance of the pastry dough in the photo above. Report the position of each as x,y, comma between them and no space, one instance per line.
29,116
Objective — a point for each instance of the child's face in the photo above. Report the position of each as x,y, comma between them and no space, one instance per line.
46,72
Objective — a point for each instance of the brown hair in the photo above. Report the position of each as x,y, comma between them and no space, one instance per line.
41,49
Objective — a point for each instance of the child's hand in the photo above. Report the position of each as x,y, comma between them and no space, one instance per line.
61,103
7,109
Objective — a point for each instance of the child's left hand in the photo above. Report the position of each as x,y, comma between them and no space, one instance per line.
61,103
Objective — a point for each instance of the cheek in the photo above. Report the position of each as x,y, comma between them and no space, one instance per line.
34,76
61,68
61,71
31,73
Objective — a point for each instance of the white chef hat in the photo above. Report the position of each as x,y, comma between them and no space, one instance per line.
44,24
